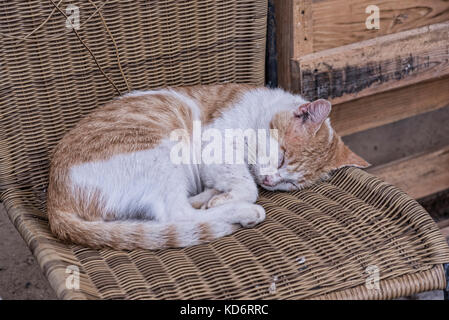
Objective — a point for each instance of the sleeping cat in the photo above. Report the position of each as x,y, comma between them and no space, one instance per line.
113,181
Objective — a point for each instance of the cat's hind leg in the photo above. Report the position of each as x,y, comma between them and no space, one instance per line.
200,200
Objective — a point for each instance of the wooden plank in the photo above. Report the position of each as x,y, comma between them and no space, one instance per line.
284,34
390,106
293,35
341,22
372,66
419,176
303,38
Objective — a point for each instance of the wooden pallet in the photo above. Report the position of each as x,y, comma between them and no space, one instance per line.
307,27
372,77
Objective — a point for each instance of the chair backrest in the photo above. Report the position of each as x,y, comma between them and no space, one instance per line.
58,61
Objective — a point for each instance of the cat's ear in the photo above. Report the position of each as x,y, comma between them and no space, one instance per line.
314,113
346,158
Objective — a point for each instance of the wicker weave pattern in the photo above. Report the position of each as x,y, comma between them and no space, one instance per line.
49,80
315,243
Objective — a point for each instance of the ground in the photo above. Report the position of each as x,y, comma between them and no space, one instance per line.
20,275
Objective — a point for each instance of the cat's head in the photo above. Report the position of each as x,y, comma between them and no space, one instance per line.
309,148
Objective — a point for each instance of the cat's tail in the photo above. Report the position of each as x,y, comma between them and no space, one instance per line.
144,234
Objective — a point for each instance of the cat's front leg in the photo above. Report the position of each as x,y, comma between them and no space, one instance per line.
234,182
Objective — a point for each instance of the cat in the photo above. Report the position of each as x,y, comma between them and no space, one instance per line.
113,182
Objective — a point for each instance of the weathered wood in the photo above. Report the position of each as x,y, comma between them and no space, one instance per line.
340,22
376,65
284,40
293,36
390,106
303,37
310,26
419,176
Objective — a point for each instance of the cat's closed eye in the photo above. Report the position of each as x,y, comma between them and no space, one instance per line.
305,116
281,160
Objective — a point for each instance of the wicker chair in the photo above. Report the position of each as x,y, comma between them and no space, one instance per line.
329,241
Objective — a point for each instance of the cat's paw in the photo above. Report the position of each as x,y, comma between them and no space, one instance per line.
197,204
252,216
200,200
219,199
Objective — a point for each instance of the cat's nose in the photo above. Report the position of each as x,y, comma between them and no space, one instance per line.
268,181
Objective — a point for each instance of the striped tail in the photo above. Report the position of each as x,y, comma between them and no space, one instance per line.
144,234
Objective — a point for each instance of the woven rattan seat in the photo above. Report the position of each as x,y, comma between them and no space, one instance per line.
319,243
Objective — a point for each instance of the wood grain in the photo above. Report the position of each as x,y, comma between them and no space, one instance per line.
340,22
419,176
310,26
303,37
390,106
293,35
284,40
372,66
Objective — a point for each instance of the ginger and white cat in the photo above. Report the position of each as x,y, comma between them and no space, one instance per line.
113,182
